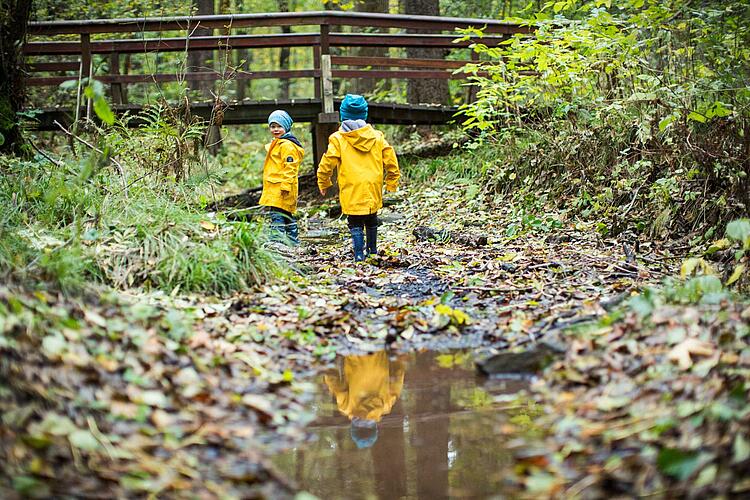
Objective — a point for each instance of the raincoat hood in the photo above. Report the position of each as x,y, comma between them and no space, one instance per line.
361,154
362,138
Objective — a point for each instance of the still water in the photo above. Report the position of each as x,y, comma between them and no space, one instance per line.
420,425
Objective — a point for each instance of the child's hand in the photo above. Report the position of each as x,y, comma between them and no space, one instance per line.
323,191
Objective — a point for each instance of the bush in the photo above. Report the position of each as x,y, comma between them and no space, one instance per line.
639,109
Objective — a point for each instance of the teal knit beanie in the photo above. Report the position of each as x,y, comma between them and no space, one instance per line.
282,118
353,107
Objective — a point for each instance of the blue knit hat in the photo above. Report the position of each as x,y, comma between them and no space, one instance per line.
282,118
353,107
364,432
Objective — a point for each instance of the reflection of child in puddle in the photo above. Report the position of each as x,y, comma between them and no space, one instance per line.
366,388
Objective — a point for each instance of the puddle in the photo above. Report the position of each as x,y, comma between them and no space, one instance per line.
419,425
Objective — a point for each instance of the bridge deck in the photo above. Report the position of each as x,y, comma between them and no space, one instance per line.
302,110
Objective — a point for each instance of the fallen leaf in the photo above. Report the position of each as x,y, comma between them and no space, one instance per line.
681,353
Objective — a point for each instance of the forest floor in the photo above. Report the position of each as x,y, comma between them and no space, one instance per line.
144,393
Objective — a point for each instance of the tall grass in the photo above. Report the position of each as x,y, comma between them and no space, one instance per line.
72,224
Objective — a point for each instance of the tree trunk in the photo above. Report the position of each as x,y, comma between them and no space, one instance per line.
367,85
284,54
14,16
425,91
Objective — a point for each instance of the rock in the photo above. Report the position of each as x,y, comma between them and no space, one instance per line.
530,361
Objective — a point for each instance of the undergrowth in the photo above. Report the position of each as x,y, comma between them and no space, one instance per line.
67,223
640,129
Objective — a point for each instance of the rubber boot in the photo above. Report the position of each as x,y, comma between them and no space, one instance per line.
372,240
358,240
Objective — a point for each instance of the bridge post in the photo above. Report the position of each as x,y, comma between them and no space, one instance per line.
114,69
327,122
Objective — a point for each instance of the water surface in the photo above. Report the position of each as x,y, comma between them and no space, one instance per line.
421,425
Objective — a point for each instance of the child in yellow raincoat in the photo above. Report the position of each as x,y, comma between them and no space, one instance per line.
361,154
283,157
366,388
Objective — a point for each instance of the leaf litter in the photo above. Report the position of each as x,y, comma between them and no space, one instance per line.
121,395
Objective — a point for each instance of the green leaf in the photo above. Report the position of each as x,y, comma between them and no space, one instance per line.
69,85
54,344
2,139
29,486
741,449
103,111
717,245
83,440
666,122
677,463
739,230
695,116
57,425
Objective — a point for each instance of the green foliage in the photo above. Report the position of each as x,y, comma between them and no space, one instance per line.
80,221
635,109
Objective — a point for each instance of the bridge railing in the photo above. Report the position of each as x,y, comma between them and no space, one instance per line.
58,51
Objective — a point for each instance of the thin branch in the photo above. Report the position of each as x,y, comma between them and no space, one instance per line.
51,160
116,163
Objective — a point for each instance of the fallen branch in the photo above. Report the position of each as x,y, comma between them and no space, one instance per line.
424,233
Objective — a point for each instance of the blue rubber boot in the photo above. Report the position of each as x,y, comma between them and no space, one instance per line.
372,240
358,240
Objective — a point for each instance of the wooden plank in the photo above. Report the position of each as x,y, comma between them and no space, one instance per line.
303,110
173,77
255,41
407,74
325,75
316,66
433,23
408,40
397,62
175,44
52,66
116,86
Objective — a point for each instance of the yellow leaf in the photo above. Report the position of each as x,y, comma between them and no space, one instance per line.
209,226
443,309
736,274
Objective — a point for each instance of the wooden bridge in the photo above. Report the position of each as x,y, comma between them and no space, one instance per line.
61,51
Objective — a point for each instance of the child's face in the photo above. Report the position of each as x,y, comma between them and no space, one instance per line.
276,130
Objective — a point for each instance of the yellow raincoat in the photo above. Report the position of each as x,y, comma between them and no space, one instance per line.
368,386
280,185
360,155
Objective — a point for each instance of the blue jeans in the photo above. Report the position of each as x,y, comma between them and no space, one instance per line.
284,226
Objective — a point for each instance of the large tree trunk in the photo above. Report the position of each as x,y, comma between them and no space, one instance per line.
367,85
14,16
425,91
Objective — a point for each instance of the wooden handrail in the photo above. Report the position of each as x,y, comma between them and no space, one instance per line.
176,44
231,21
